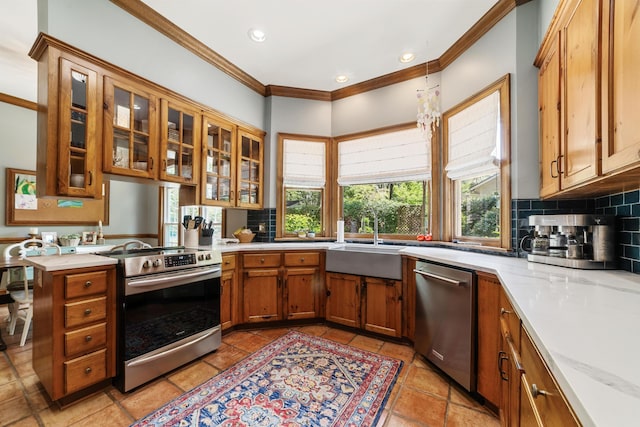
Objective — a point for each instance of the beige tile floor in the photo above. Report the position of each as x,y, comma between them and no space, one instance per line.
421,397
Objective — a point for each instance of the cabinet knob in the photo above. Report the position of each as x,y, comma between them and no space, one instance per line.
88,338
227,262
535,391
301,259
88,284
504,311
87,311
87,370
262,260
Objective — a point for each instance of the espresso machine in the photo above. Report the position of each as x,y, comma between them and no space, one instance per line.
574,240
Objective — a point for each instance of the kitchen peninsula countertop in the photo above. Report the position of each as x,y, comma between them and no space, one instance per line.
583,322
66,262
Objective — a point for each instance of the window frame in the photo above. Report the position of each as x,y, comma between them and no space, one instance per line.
325,215
433,202
502,85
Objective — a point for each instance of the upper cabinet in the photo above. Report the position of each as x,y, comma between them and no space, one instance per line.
179,142
130,130
250,163
589,135
218,182
94,117
620,87
68,125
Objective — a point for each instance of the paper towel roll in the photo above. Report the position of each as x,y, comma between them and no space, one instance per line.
340,228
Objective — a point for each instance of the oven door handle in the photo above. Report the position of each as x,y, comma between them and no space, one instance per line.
170,351
153,281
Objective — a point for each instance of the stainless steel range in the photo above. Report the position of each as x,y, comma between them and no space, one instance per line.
168,310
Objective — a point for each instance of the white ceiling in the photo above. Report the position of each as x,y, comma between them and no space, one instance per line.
308,42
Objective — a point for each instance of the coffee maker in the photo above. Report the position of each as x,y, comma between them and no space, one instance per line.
574,240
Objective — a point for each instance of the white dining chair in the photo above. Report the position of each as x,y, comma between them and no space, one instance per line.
21,290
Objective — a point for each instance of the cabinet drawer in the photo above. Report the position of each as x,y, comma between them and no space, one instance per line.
510,322
85,340
261,260
84,371
541,389
228,262
301,259
85,284
84,312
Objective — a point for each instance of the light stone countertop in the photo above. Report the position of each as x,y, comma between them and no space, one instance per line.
583,322
67,262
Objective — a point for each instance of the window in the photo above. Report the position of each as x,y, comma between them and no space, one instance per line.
172,214
476,155
302,195
385,176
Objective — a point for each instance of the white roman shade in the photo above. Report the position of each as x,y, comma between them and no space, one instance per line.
391,157
473,142
304,163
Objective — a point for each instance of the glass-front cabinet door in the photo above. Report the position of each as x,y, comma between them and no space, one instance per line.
77,140
130,127
217,186
250,155
180,142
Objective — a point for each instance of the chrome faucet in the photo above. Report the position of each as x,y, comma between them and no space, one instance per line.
376,240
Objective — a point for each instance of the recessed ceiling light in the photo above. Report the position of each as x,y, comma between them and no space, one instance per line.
342,78
407,57
257,35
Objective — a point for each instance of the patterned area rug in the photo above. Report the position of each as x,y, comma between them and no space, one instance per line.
297,380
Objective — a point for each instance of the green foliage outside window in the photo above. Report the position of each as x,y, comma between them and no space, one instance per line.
480,208
303,210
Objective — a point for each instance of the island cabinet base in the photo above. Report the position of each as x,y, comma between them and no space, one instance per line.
74,331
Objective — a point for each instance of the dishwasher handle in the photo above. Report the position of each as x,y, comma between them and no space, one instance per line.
440,278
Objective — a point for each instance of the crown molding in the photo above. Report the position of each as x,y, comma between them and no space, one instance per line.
152,18
20,102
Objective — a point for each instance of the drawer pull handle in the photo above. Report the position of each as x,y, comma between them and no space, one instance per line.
87,312
535,391
87,370
227,262
262,260
88,284
301,259
504,311
88,338
502,357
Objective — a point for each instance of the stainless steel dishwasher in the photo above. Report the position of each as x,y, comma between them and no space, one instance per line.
445,330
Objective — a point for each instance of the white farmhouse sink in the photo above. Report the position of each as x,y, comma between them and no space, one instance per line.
365,260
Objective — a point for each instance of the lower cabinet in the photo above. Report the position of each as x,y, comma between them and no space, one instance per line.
228,292
488,293
277,286
509,364
370,303
74,330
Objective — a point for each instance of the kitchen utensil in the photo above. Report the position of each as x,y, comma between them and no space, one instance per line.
185,221
197,221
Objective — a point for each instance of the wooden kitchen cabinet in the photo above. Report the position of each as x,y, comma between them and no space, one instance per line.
302,285
74,330
130,130
180,142
228,292
620,89
590,58
541,401
369,303
69,129
489,289
343,299
509,364
250,163
280,286
218,182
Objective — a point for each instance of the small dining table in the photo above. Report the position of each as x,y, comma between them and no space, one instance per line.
5,264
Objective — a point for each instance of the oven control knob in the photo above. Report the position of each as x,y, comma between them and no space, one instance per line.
157,263
200,257
146,264
208,256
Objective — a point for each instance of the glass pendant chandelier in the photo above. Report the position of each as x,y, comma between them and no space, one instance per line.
429,114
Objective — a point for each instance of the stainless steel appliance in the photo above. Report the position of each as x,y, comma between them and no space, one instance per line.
445,330
575,240
168,310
